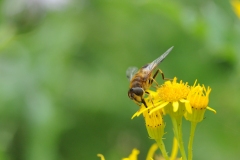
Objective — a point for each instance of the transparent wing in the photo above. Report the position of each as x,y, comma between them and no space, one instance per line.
130,72
151,66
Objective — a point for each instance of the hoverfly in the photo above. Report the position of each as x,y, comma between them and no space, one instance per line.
142,79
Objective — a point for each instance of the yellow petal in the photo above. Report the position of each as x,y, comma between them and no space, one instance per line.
159,107
135,115
174,149
183,100
175,106
209,108
151,151
101,156
188,107
133,155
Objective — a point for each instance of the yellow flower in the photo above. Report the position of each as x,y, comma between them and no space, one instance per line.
177,99
171,96
154,121
198,99
236,7
154,124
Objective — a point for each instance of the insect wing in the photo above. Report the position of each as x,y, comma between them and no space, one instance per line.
130,72
151,66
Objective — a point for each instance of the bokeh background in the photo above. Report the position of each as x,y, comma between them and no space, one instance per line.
63,86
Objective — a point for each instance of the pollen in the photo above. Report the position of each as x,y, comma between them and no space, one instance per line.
172,91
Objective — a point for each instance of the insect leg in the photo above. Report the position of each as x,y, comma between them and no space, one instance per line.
156,73
152,79
150,98
143,101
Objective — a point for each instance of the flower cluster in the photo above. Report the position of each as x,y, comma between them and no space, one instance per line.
178,100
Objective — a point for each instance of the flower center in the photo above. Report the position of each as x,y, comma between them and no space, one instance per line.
173,91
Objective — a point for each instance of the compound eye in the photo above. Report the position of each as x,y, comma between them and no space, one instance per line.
130,93
137,91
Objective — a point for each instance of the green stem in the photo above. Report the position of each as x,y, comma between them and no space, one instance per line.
190,143
177,127
162,148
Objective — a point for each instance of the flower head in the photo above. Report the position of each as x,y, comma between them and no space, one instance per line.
154,124
154,121
198,99
170,96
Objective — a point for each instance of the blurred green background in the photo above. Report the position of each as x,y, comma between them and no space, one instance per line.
63,88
